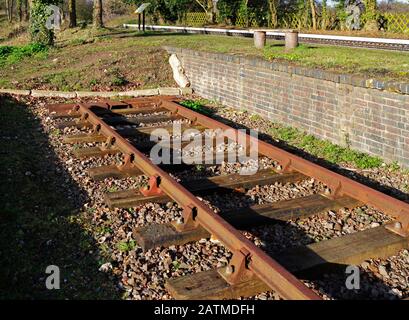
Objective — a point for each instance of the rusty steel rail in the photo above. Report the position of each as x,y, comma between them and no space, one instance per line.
252,261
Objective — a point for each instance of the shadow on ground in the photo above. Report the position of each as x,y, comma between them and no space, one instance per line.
40,221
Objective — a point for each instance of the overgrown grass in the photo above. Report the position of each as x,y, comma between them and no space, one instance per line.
13,54
325,149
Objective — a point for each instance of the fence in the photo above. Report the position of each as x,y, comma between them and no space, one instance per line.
395,22
195,18
388,21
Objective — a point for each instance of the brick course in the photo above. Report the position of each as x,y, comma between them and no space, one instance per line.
372,115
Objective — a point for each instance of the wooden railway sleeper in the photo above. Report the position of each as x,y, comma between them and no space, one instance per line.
238,270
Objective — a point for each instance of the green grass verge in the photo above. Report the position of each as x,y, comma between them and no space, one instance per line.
325,149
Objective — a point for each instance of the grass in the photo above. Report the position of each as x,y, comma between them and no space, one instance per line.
325,149
13,54
377,63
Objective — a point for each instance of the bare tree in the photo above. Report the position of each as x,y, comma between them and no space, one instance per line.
72,14
97,14
26,9
272,5
314,14
9,10
20,10
208,7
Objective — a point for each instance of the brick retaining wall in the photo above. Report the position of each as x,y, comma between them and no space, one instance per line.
367,114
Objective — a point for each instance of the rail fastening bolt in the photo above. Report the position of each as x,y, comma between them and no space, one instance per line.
229,269
397,225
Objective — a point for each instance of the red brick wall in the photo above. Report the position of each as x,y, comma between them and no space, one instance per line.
369,115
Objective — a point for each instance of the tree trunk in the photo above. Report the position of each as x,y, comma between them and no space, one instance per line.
26,10
72,14
9,9
97,14
314,15
272,4
324,22
20,10
211,16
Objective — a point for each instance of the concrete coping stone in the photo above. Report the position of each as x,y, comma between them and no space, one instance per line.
109,94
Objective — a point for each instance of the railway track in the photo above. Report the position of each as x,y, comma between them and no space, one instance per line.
114,127
362,42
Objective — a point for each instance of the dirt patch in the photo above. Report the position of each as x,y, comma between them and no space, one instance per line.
90,67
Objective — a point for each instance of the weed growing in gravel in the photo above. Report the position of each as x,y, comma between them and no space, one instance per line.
124,246
103,230
198,106
112,189
56,132
325,149
255,117
90,210
200,168
394,166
